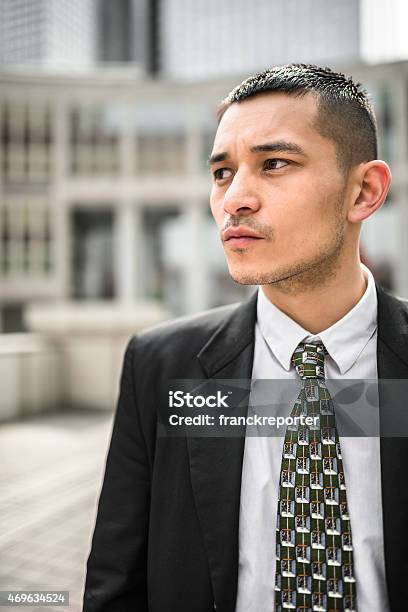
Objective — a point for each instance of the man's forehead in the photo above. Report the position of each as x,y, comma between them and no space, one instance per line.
266,114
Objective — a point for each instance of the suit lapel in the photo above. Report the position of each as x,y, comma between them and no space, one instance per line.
216,463
392,363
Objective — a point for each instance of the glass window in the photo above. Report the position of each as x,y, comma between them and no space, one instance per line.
26,140
160,138
92,256
26,237
94,140
161,281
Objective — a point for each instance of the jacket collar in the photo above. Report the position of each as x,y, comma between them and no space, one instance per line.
392,332
230,339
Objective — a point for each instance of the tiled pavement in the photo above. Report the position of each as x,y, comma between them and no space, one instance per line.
50,475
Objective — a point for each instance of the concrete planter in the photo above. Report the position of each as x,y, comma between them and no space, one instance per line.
30,375
91,338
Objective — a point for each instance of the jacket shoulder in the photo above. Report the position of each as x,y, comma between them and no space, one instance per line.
187,333
400,300
391,302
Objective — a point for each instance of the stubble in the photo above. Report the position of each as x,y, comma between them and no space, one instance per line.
308,274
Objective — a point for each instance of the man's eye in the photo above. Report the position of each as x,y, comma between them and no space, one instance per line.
221,174
275,164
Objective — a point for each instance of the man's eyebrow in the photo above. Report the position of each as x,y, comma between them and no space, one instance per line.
279,146
217,157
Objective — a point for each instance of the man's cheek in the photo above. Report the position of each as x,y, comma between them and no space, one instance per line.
216,211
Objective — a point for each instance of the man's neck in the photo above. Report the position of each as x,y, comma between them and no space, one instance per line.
318,308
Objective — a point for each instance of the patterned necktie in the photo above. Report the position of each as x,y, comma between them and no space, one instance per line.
314,553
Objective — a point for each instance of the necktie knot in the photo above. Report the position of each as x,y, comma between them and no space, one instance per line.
308,360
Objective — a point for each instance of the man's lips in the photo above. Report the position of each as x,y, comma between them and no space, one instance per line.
240,236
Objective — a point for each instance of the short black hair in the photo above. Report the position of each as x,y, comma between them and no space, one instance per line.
345,114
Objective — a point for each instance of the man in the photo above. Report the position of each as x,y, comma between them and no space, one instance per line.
197,523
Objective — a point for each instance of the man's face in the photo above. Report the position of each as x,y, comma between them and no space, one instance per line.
278,194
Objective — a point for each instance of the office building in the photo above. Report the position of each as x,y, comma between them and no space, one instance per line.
206,38
53,35
124,33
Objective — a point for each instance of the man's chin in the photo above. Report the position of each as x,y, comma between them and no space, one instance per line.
250,275
247,277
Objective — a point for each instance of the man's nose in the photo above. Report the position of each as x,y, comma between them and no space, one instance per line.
241,197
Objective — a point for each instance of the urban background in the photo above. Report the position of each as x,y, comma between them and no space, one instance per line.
106,122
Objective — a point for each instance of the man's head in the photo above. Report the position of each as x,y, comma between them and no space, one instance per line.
294,163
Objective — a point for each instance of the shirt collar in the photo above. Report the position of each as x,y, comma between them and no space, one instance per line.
344,340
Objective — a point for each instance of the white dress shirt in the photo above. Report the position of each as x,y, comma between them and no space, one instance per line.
351,343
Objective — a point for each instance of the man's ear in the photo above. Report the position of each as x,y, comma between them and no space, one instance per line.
371,183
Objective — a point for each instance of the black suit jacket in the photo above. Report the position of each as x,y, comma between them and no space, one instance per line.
166,535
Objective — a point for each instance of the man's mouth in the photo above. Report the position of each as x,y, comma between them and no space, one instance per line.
240,237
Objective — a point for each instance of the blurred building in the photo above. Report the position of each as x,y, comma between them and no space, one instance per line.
78,35
185,40
47,34
115,32
207,38
126,34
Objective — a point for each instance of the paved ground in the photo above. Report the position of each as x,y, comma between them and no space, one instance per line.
50,476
